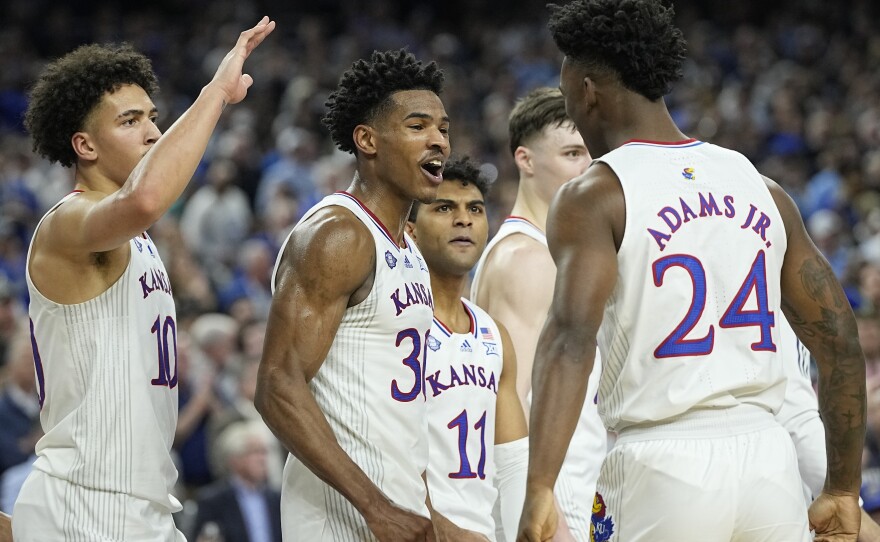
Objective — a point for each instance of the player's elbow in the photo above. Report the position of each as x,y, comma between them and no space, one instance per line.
265,397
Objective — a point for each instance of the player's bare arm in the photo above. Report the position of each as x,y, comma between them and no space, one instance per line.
817,308
517,289
307,308
93,229
586,275
5,528
510,420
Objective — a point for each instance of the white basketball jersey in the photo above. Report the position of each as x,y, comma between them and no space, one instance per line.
576,484
107,381
461,384
370,388
692,321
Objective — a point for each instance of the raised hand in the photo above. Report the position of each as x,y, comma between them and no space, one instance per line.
229,77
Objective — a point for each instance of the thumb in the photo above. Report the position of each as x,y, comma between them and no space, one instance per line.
247,80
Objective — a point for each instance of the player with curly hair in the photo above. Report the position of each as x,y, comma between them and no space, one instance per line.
103,323
679,258
342,373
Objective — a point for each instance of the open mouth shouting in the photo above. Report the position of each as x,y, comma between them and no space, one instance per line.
433,169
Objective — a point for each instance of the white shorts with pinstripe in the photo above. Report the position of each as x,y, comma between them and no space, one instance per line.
707,476
50,508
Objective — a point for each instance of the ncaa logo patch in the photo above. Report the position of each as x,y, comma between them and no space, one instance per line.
390,259
433,343
601,524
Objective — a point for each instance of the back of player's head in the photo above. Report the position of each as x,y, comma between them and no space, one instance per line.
72,86
635,40
460,170
365,89
541,108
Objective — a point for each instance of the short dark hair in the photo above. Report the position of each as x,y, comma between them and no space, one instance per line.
462,170
635,39
365,89
540,108
72,86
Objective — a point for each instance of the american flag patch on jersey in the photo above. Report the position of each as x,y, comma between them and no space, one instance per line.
487,334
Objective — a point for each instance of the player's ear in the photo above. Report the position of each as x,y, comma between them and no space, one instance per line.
365,139
590,92
523,158
410,228
82,146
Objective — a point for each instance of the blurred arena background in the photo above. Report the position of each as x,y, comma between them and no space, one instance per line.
794,85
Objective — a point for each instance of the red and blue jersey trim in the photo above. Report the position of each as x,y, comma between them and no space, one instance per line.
666,144
378,223
449,333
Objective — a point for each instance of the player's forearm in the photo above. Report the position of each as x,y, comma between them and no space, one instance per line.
562,368
163,174
823,319
291,412
843,409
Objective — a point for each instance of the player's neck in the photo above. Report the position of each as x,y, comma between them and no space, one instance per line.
446,291
531,207
645,120
89,177
391,210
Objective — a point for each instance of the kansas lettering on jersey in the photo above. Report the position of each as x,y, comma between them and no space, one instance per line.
107,381
692,321
462,388
576,484
371,390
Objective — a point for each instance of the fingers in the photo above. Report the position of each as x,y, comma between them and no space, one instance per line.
254,36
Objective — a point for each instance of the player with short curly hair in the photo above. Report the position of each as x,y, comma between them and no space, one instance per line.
636,42
102,315
67,93
364,90
342,373
679,259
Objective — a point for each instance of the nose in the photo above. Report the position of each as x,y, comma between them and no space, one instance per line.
439,141
153,133
462,218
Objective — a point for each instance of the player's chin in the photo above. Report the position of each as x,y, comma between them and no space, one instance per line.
426,194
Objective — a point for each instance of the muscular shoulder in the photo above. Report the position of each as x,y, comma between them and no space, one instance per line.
515,263
586,204
516,252
331,246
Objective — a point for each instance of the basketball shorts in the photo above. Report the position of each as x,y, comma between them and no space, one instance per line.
719,475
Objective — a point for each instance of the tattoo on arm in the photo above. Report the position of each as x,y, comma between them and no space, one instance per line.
842,371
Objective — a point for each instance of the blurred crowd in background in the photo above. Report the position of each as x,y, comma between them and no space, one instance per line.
794,86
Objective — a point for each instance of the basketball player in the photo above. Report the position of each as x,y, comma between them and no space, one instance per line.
103,324
341,377
515,276
799,415
476,425
681,257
